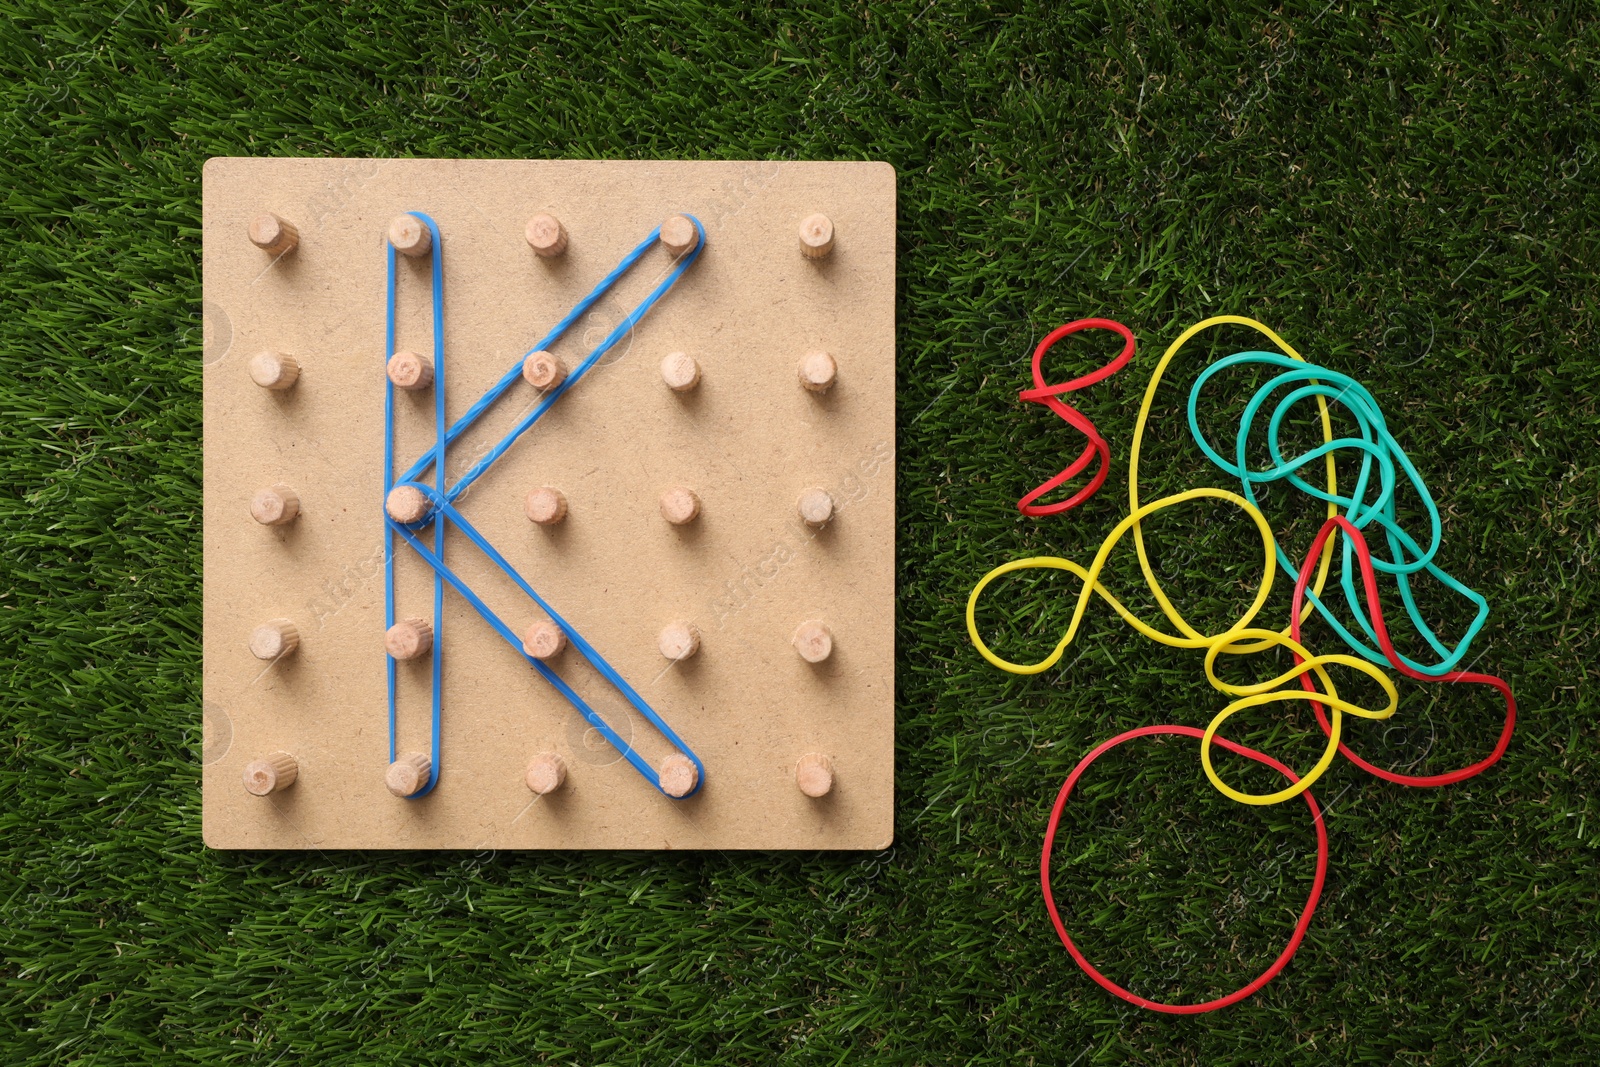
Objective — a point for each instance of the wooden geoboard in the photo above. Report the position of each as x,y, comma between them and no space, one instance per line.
747,573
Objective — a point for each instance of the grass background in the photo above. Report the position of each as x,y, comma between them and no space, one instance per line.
1404,191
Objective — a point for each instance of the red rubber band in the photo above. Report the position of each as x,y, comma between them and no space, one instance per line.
1048,394
1369,581
1300,927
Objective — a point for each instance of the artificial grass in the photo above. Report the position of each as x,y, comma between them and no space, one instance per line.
1407,195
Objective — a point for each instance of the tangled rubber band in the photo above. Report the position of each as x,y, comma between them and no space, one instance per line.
1354,537
1300,926
1378,449
1138,441
1376,444
1049,396
1241,638
1238,639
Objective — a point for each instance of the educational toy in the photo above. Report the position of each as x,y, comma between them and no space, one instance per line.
548,504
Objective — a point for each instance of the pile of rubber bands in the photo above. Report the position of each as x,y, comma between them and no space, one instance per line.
1368,507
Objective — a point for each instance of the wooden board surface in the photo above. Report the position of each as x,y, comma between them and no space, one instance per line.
748,440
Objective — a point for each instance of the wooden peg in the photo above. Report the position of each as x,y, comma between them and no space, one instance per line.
678,775
545,505
410,236
816,236
815,507
408,370
409,639
679,235
546,772
273,235
543,370
274,370
271,774
408,774
544,640
680,371
275,505
679,640
814,641
817,371
679,505
275,639
546,236
406,504
814,774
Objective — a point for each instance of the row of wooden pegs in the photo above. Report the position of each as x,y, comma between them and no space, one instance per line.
412,638
548,238
545,234
279,505
413,372
546,773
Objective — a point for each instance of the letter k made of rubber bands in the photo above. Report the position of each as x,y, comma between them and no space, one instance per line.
441,495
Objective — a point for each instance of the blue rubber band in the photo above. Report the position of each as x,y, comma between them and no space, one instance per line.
441,510
597,661
436,731
1379,450
577,312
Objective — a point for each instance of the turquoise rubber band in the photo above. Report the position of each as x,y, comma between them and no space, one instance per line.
1379,451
